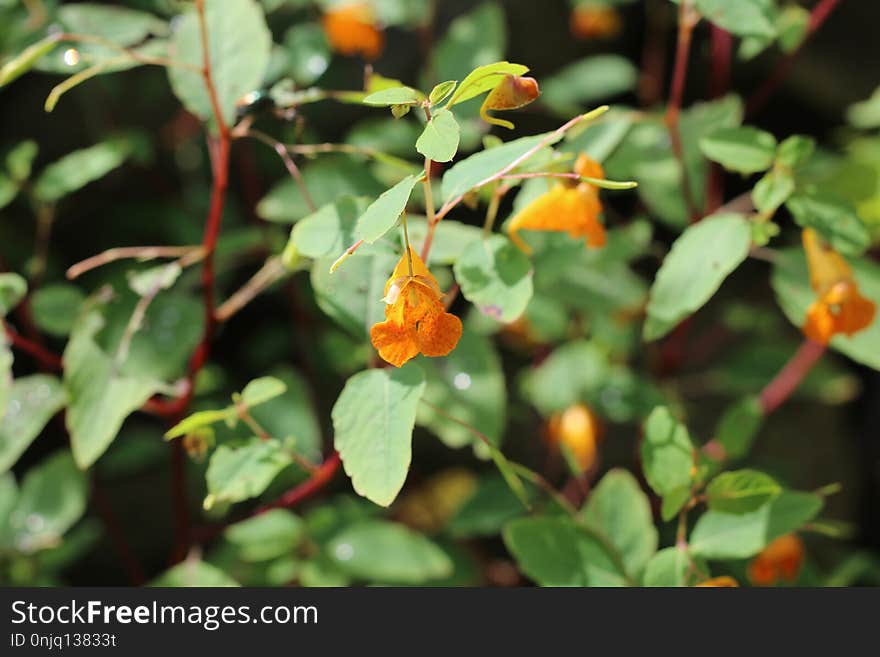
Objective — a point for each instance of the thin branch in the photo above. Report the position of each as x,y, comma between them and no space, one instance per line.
292,169
791,375
271,272
320,478
759,99
187,255
429,201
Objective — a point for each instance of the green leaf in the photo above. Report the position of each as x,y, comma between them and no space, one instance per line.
743,18
149,282
496,277
491,506
573,373
373,420
31,403
451,238
795,151
791,283
484,78
12,290
77,169
200,419
583,83
25,61
719,535
352,295
673,502
741,491
52,498
240,473
699,261
100,397
388,553
864,115
6,359
441,91
558,552
739,426
275,533
468,384
193,572
773,189
8,191
439,141
743,149
394,96
667,452
327,179
239,43
619,510
470,172
383,213
833,218
292,416
55,308
672,567
261,390
330,230
120,25
20,159
308,52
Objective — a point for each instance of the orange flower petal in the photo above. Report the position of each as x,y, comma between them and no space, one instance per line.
439,334
589,21
351,30
588,167
724,581
511,93
395,342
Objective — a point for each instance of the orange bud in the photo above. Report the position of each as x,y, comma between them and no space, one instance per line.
578,430
721,582
512,92
780,560
591,21
352,29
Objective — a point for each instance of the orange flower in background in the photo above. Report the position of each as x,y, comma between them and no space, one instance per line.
578,430
838,308
352,29
511,93
781,560
720,582
595,21
565,208
416,320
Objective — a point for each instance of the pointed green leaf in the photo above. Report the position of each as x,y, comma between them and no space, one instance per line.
261,390
269,535
439,140
700,259
12,290
383,213
330,230
674,567
394,96
833,218
240,473
742,149
667,452
32,402
741,491
496,277
78,169
483,79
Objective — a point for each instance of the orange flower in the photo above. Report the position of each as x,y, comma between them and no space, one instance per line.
781,560
578,430
566,208
722,582
351,29
416,321
592,21
511,93
839,308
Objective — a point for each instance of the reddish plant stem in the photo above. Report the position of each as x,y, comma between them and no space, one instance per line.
653,55
719,85
219,148
43,356
319,478
759,99
791,375
687,19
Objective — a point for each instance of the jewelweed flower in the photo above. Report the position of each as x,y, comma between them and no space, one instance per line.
724,581
352,29
780,560
574,209
595,21
511,93
577,429
839,307
415,318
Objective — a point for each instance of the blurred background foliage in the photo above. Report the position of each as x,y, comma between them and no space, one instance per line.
146,181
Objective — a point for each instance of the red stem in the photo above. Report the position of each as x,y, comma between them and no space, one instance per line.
818,16
44,357
114,529
791,376
320,478
687,19
719,85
